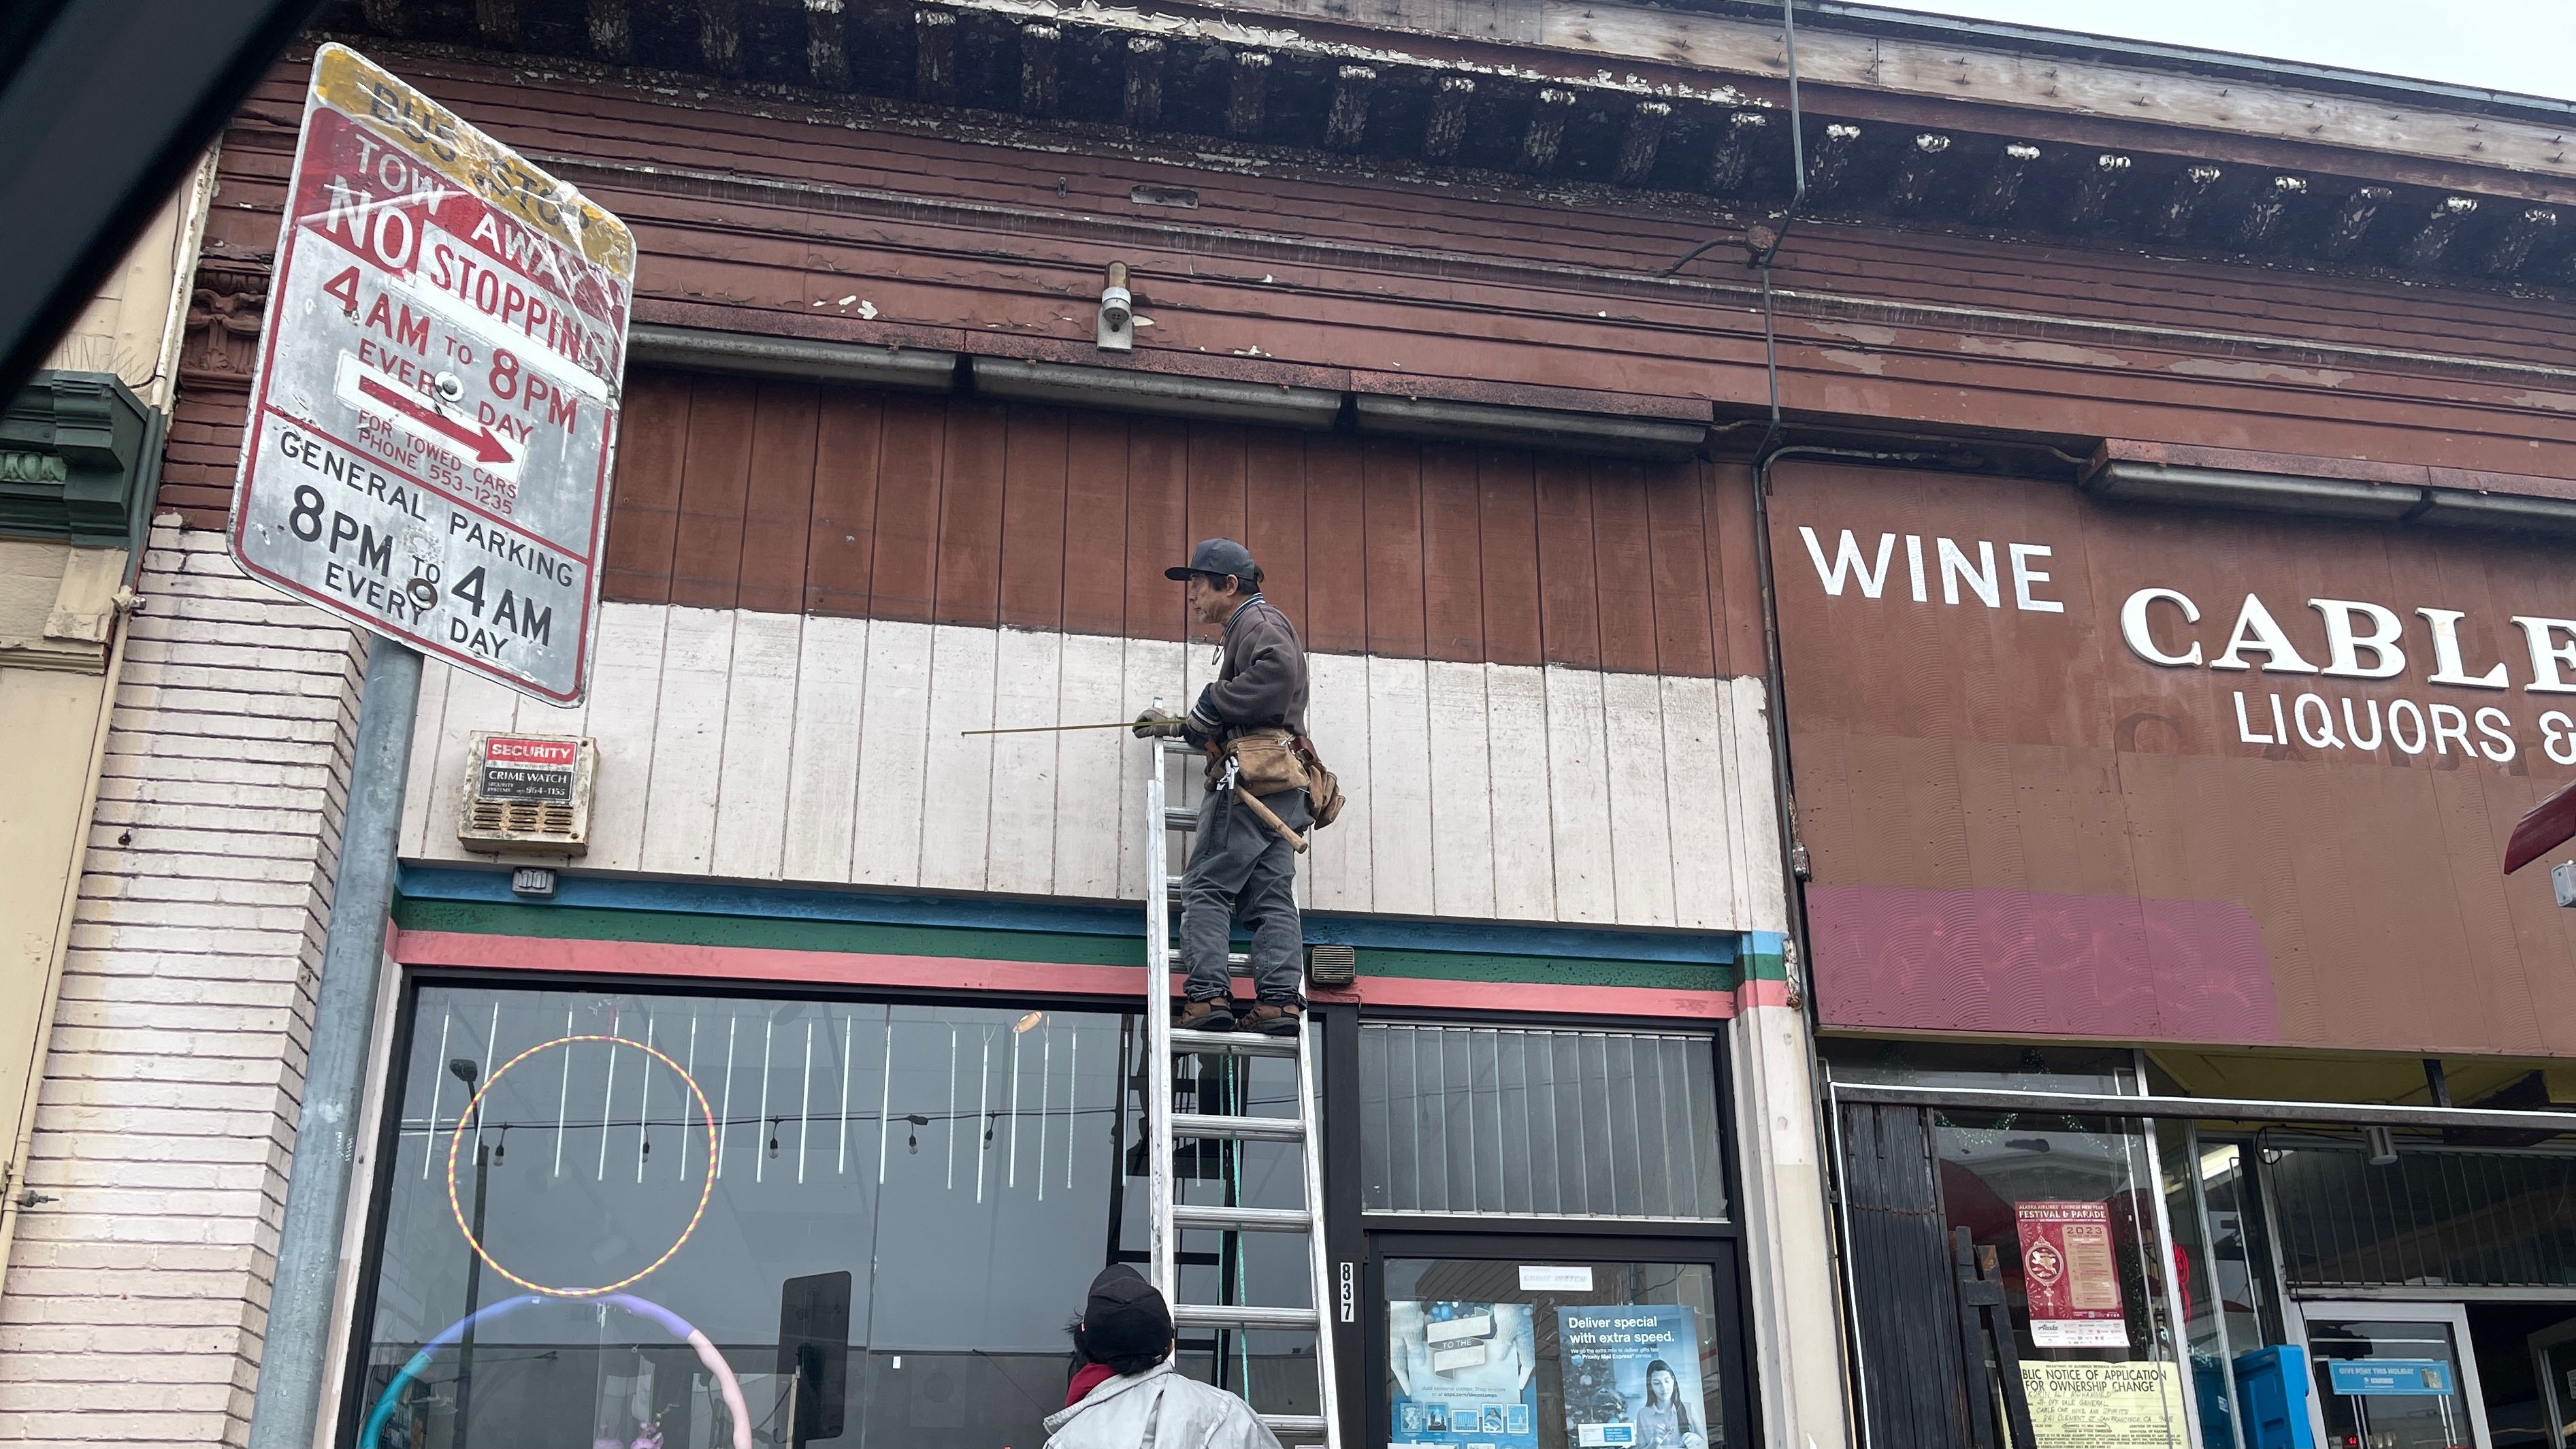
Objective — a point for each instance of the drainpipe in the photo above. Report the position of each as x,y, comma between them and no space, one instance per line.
1802,996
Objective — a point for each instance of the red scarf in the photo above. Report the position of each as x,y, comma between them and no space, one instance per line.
1090,1376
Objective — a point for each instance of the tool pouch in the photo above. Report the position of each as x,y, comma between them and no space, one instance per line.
1323,790
1266,762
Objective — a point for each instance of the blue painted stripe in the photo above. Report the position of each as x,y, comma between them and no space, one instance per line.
1494,938
1766,943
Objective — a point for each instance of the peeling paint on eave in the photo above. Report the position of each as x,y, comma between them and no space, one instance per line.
1253,37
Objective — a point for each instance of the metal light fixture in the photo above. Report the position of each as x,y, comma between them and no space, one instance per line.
2382,1144
1117,328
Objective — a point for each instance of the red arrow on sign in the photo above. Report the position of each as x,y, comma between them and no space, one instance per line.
487,448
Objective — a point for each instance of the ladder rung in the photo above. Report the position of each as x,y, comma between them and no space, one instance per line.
1232,958
1245,1219
1249,1129
1294,1423
1240,1315
1181,819
1238,1043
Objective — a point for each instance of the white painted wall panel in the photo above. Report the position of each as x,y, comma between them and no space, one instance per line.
1699,765
1524,829
1641,837
957,768
1027,691
1399,750
688,740
1338,864
1091,685
820,750
428,752
1578,788
823,768
476,703
893,756
1153,669
751,788
1756,812
625,714
1462,791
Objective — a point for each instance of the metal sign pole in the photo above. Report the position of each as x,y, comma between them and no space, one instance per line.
292,1372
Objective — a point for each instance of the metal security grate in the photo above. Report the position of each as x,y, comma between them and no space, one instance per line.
1503,1122
2432,1218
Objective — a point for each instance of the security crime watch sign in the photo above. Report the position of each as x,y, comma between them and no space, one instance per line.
528,793
435,406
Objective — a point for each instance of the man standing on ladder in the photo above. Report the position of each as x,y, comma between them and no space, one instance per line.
1243,856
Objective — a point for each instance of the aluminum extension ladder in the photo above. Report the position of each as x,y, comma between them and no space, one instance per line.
1167,1126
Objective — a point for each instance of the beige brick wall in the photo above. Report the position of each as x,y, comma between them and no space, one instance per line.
136,1294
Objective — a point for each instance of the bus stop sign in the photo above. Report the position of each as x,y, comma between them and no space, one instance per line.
434,410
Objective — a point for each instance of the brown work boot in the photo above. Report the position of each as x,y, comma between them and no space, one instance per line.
1272,1018
1213,1015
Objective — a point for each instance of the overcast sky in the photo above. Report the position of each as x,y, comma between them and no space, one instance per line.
2508,45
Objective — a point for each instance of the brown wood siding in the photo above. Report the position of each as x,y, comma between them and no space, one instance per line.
1354,281
848,502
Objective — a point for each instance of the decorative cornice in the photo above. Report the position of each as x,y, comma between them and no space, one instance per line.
1562,111
224,312
77,451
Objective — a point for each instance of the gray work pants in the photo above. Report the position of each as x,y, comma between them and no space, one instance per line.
1240,868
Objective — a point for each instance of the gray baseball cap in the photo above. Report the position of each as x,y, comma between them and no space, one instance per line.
1217,556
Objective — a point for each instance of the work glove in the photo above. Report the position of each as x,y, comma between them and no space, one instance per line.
1155,724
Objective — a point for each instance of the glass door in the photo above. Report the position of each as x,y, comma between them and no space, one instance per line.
2553,1364
2395,1376
1555,1347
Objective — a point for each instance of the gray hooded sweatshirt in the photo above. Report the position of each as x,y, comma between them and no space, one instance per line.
1158,1409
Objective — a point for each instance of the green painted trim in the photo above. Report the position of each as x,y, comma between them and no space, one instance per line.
585,923
1759,965
580,923
1546,970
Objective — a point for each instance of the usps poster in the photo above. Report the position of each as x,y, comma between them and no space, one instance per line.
1632,1376
1464,1374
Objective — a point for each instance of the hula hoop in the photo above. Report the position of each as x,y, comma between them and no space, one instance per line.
456,1141
680,1328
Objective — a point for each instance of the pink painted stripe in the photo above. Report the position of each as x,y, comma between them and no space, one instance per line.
761,963
1528,996
1762,993
955,973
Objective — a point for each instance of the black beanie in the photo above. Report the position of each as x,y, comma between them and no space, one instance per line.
1124,1317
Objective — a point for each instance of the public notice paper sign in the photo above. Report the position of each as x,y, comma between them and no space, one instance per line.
2105,1405
2070,1275
434,410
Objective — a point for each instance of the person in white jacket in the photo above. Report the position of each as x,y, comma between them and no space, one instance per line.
1127,1395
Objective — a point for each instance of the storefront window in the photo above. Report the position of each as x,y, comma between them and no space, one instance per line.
1555,1355
2070,1207
727,1224
1492,1121
2222,1273
1950,1064
2434,1217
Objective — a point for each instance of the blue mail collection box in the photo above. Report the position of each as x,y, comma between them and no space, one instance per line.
2272,1385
